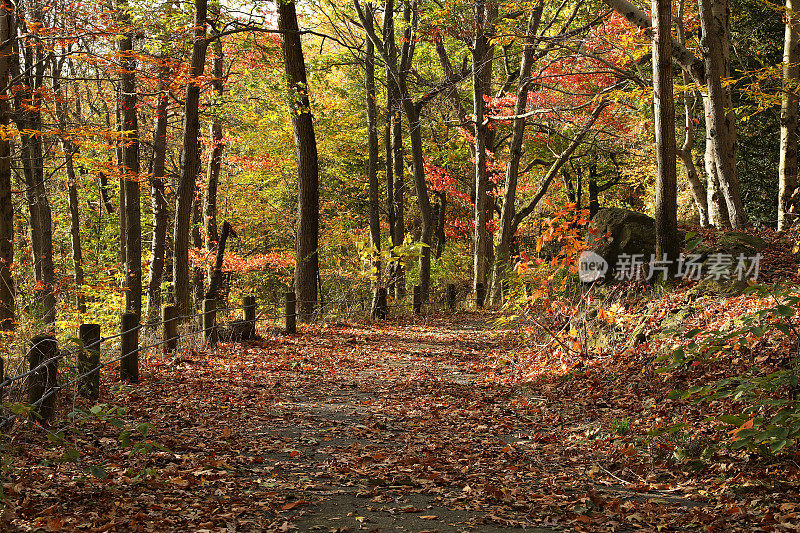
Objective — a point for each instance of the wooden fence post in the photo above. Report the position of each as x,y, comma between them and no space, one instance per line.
451,296
129,348
89,359
480,295
209,321
291,313
169,319
42,381
249,309
417,302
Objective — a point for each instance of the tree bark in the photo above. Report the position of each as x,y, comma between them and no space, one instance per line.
158,202
130,154
372,162
724,199
217,146
482,58
685,151
720,117
191,163
666,207
307,245
787,168
7,304
28,116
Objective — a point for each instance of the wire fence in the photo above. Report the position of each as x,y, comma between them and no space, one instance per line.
32,393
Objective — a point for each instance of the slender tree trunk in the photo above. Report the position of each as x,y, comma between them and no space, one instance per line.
7,304
482,57
191,163
159,205
666,212
594,190
123,220
72,191
307,249
372,163
685,151
215,162
503,249
787,171
130,154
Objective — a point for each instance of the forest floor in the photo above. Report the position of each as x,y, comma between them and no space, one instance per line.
409,425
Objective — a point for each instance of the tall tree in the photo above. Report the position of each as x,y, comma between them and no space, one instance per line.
191,162
217,146
788,169
158,200
372,149
28,117
482,57
725,203
306,269
507,229
7,305
412,110
130,160
666,215
690,100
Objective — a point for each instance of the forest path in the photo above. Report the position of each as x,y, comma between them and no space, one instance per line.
392,426
373,427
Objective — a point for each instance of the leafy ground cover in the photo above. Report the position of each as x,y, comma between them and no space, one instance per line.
422,424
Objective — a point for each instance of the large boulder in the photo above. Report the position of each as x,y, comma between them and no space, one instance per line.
628,232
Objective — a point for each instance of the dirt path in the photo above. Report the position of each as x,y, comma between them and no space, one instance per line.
373,427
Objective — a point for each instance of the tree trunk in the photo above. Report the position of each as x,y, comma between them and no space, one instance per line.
215,162
7,304
72,191
215,289
685,151
307,246
191,163
372,163
787,171
482,57
158,202
503,249
720,117
130,154
666,208
27,100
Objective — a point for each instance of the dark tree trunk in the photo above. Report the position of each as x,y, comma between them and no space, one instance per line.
666,212
130,155
372,163
215,288
27,101
307,259
158,203
217,145
482,57
191,163
7,305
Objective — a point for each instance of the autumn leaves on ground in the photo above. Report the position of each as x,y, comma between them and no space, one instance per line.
415,424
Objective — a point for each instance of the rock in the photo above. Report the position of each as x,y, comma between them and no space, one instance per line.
630,233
